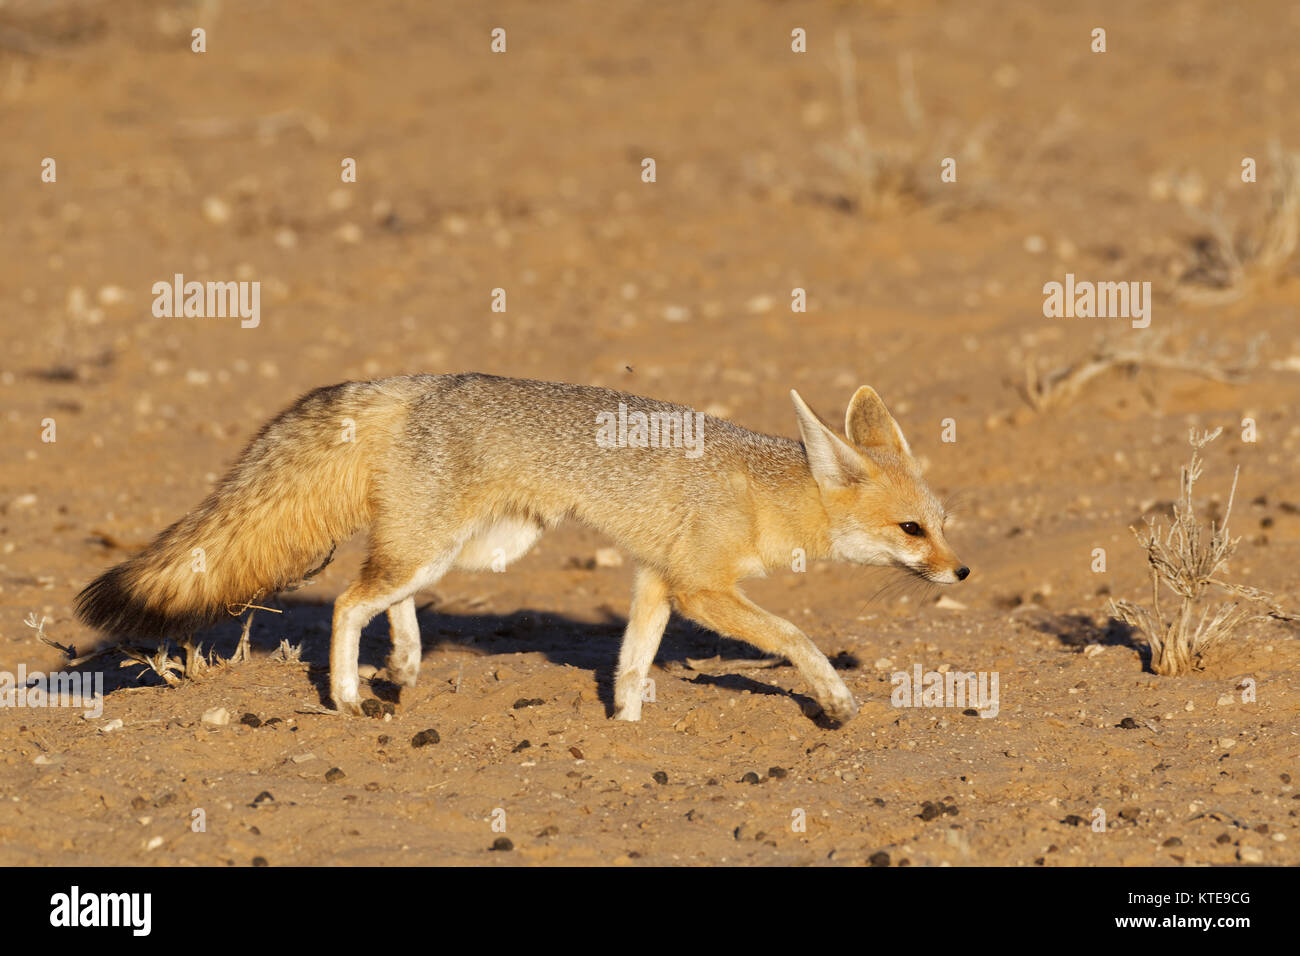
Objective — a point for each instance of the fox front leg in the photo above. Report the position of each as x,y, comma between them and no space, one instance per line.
732,614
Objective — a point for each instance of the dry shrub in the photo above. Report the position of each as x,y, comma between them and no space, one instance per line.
1187,559
1228,266
1045,387
878,177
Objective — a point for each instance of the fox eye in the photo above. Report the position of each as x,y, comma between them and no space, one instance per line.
912,528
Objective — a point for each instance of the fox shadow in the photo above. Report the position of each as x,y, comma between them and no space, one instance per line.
1077,631
304,625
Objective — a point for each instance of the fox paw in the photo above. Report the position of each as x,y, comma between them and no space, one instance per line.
345,704
628,711
402,675
840,707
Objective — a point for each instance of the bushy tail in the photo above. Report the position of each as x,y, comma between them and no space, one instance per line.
301,486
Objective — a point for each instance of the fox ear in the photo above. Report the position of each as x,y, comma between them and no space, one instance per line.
834,463
868,423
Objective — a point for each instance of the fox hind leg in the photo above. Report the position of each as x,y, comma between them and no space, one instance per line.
645,628
380,587
404,661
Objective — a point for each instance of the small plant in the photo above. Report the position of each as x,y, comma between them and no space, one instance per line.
289,653
1187,558
159,661
1046,387
1229,267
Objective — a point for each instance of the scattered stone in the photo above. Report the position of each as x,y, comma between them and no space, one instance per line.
548,831
112,725
522,745
777,773
577,754
251,720
523,702
334,774
1172,842
948,604
1250,854
216,210
660,777
750,777
260,861
216,717
425,737
349,232
879,858
930,809
1074,820
1226,742
111,295
303,758
501,844
1129,723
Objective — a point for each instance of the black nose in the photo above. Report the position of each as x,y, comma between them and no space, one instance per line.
962,573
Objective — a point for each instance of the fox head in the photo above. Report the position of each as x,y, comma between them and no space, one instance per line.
881,511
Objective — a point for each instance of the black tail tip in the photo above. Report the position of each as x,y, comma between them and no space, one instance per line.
110,604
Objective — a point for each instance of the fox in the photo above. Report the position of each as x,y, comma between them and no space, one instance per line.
466,471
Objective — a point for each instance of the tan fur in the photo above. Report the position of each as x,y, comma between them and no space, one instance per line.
466,471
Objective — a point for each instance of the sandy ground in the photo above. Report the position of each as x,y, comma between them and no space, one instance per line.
522,171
